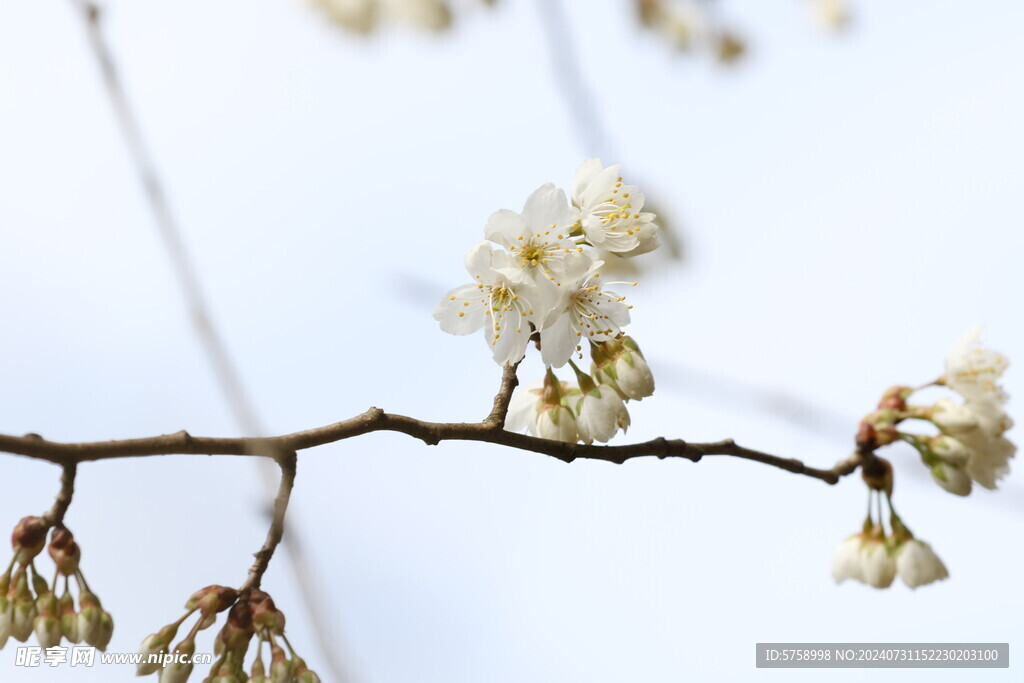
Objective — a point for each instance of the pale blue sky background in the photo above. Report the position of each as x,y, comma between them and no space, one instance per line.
851,205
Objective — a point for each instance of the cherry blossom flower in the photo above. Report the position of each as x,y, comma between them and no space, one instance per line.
493,303
610,213
587,312
542,255
974,371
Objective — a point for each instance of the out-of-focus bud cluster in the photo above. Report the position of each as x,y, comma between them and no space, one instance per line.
831,14
691,26
253,615
968,446
368,16
29,604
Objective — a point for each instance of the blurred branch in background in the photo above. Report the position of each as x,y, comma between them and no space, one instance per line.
585,113
227,375
736,394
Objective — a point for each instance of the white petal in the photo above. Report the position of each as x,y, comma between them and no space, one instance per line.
557,341
585,175
505,227
455,316
547,207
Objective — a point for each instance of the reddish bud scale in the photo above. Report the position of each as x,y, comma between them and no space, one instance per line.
212,599
895,398
867,437
238,630
28,538
64,551
877,474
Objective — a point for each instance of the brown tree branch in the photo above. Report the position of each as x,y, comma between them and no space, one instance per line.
55,515
288,465
431,433
509,382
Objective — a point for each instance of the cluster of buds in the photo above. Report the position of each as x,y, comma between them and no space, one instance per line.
248,615
875,558
29,604
969,446
592,409
367,16
693,25
690,26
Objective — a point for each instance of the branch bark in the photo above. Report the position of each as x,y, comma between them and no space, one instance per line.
288,465
431,433
55,515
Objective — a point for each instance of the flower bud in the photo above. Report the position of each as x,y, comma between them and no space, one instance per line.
6,619
155,643
68,617
212,599
48,631
878,568
281,669
895,398
64,551
303,674
264,612
918,565
106,631
179,671
24,619
46,605
237,631
634,375
89,628
951,451
556,423
258,674
28,538
952,478
39,585
877,474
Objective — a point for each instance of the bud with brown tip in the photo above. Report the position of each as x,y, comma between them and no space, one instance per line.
28,538
212,599
877,474
64,551
68,618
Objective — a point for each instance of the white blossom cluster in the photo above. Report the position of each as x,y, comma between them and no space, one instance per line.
972,444
970,447
875,559
537,276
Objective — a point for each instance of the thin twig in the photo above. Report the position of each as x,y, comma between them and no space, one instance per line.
509,382
288,465
227,374
55,515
